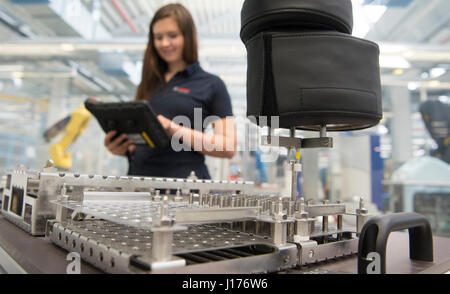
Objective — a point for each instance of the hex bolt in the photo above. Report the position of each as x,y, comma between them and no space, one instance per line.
192,176
301,206
325,220
340,219
210,200
61,211
63,193
228,200
279,233
157,196
164,212
362,209
49,163
301,213
65,197
259,204
178,197
280,205
271,207
291,208
361,216
325,223
64,189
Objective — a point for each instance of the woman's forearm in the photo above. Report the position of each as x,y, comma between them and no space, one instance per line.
217,145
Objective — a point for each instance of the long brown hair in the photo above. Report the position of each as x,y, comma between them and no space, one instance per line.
154,67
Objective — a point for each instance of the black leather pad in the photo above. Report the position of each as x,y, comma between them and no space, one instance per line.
287,15
314,78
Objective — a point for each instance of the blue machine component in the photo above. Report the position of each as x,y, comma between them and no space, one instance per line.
376,171
261,167
299,185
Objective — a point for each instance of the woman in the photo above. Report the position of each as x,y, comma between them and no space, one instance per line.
175,85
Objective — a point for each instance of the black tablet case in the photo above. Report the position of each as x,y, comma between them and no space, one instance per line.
135,118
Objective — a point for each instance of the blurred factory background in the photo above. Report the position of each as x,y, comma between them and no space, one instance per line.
56,53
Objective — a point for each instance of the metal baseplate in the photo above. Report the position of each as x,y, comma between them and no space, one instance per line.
163,225
116,248
212,233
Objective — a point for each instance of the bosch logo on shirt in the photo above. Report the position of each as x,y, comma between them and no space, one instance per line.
181,90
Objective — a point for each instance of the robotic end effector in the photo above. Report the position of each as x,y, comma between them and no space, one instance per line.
72,126
285,42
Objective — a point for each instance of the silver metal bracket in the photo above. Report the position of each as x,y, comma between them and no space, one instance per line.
324,209
297,143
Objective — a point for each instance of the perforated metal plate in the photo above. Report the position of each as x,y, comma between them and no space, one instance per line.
142,213
116,248
139,241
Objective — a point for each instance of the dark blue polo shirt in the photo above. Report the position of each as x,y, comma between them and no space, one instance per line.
189,89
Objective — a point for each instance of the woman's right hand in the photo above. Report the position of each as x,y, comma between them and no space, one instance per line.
120,145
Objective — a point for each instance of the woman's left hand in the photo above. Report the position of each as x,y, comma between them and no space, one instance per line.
167,124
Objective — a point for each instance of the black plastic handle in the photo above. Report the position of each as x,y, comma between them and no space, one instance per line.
375,232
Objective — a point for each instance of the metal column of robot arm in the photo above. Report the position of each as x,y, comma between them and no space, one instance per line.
293,143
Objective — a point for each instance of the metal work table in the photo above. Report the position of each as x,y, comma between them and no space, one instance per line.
34,255
38,255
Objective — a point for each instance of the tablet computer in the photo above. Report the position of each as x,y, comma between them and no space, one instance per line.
134,118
